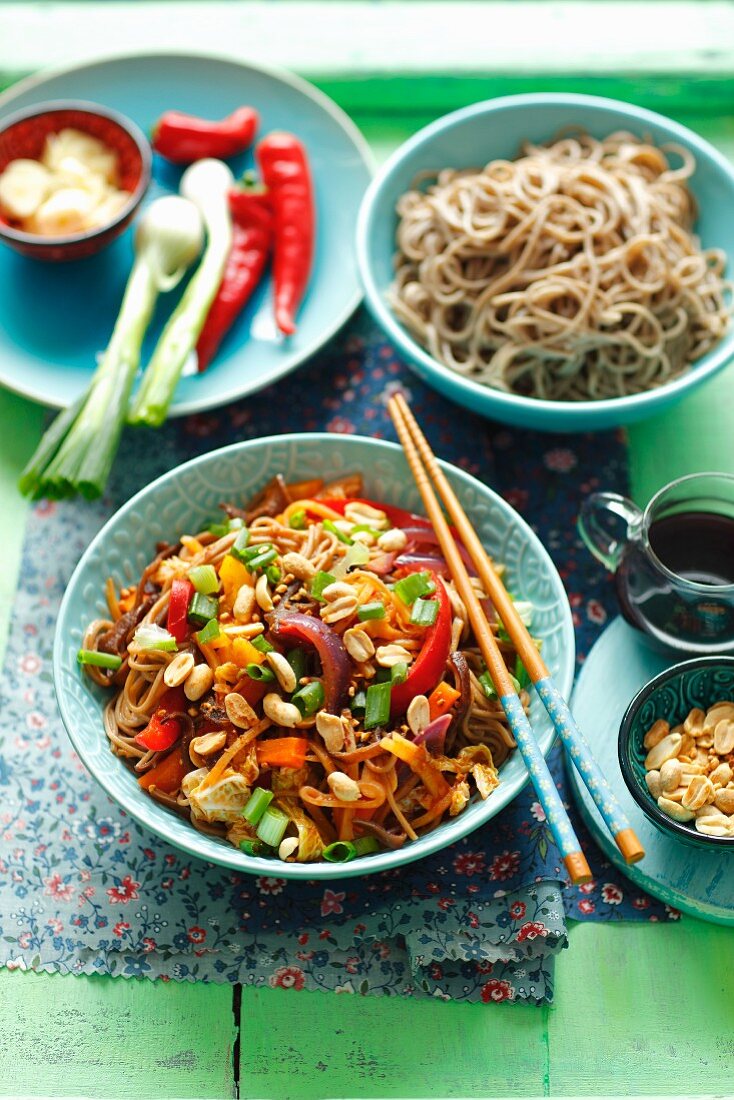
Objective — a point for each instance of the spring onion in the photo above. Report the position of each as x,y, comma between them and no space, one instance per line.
341,851
374,610
206,184
254,848
298,520
273,574
320,582
151,636
487,686
256,562
76,454
99,660
329,525
309,698
257,804
521,673
239,547
359,702
366,844
203,608
370,530
226,528
298,660
261,644
261,673
204,579
208,633
424,612
272,826
399,673
377,705
409,588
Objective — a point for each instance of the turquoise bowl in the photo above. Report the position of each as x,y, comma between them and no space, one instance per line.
496,128
671,695
185,500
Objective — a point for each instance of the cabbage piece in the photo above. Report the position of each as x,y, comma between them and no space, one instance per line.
223,801
310,843
459,798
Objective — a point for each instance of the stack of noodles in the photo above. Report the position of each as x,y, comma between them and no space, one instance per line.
571,273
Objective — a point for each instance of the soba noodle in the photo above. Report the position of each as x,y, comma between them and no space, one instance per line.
570,273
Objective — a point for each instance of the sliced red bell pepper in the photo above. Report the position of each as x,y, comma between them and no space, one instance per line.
430,664
162,731
178,605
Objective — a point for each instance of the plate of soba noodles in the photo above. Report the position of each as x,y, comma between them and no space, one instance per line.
262,659
556,261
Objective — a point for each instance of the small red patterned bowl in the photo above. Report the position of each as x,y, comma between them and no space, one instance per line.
23,135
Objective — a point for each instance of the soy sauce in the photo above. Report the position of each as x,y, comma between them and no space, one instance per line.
698,546
694,546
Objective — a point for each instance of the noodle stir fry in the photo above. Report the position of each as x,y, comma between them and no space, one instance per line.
301,677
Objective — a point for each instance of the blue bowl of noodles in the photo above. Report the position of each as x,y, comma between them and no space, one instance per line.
575,344
184,500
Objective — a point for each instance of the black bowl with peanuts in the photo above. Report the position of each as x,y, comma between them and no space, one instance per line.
676,751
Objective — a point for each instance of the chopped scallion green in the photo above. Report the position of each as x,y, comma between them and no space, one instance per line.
259,561
204,579
366,844
99,660
298,660
320,582
203,608
521,673
261,644
257,804
341,851
272,826
374,610
309,698
488,687
261,673
273,574
329,525
424,612
399,673
208,633
240,544
219,530
298,520
255,848
409,588
370,530
359,702
377,706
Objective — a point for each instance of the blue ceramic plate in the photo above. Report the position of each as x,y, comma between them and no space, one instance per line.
497,128
698,881
54,319
184,500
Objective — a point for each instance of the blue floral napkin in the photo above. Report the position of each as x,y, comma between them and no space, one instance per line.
83,889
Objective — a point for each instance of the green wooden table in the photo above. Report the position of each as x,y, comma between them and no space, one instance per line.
640,1009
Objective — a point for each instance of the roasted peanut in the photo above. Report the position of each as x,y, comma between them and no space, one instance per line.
178,670
394,539
283,670
419,714
209,743
331,729
656,733
670,775
359,645
675,810
281,712
700,791
239,711
198,682
300,567
244,604
665,749
343,787
262,594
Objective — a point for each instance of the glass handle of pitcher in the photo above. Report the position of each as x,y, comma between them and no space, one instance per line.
597,528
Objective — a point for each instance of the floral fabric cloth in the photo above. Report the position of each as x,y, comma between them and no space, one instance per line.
83,889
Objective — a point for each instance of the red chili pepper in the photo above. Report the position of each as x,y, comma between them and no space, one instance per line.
161,731
284,167
252,234
185,138
398,516
178,605
429,665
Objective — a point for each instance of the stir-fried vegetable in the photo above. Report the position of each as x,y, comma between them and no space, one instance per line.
77,452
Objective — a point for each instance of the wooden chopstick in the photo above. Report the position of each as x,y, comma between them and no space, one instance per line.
558,711
556,816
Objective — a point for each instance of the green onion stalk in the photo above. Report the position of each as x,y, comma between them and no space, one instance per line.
206,183
76,453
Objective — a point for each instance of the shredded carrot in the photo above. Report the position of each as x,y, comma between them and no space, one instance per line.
283,752
441,699
418,760
436,810
236,746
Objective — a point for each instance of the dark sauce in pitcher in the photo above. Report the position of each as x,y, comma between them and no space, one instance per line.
698,547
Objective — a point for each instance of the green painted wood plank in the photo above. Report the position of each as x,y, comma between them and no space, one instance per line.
116,1038
305,1046
694,436
643,1011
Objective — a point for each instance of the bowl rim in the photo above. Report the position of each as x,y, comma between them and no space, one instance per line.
638,405
84,106
186,839
646,802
